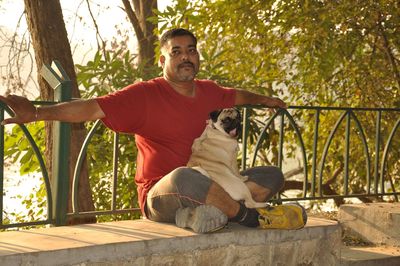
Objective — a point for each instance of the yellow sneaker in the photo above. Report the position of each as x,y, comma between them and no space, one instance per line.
287,216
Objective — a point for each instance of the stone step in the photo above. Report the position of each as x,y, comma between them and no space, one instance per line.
142,242
378,223
370,256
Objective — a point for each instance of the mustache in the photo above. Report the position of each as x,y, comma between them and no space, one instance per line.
185,64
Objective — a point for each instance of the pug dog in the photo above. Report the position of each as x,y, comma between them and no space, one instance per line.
214,155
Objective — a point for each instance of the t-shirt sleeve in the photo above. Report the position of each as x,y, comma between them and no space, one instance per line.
229,97
125,109
222,97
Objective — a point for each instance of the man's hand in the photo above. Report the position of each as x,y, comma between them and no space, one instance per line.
274,102
24,110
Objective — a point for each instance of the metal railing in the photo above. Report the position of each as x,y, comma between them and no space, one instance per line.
297,127
312,186
375,173
57,188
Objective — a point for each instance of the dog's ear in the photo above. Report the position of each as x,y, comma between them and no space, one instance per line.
214,115
239,127
239,115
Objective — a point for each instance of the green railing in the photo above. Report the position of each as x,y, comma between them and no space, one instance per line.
38,155
283,131
57,188
375,173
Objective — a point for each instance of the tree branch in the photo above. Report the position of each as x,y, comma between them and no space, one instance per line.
18,56
388,50
293,172
133,19
335,175
326,189
98,36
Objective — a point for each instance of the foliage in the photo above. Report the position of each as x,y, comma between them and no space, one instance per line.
17,149
330,53
111,71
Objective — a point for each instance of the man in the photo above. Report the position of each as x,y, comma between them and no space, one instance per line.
166,114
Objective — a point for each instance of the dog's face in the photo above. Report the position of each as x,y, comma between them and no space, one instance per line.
228,121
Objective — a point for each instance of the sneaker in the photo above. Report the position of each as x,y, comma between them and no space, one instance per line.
201,219
287,216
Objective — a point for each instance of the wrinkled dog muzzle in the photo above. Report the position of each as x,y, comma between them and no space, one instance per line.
229,120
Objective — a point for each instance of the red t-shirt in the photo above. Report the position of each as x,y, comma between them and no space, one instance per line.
165,123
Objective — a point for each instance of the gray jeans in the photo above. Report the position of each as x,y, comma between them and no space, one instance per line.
185,187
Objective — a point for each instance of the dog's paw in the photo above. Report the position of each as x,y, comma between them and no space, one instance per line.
201,170
244,178
253,204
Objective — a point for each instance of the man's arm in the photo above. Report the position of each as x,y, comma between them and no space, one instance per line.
246,97
74,111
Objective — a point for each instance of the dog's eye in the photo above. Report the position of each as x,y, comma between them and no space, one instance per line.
227,120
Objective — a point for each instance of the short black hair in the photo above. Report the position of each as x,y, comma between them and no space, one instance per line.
169,34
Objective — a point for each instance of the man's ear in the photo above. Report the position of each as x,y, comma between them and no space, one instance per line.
162,60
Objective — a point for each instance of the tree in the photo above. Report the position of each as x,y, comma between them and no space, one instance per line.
49,39
144,29
50,42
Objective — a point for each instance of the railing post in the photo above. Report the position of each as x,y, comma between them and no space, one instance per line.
245,134
347,154
377,147
62,85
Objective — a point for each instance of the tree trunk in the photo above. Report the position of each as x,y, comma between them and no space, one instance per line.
50,42
143,9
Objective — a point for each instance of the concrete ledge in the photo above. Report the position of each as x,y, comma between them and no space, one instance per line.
142,242
378,223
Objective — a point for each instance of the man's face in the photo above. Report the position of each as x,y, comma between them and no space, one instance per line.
180,59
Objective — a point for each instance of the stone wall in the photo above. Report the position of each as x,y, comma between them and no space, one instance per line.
143,242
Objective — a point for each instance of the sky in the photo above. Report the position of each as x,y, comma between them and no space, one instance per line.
81,31
108,16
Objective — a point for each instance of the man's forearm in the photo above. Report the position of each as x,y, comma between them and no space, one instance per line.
246,97
74,111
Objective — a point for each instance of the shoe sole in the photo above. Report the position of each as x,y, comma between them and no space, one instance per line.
202,219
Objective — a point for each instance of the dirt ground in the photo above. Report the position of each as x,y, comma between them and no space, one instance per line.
348,238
